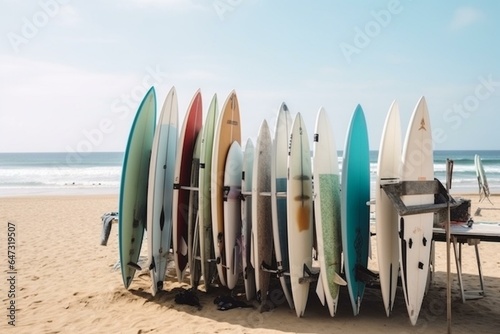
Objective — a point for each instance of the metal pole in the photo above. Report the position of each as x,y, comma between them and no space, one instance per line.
449,171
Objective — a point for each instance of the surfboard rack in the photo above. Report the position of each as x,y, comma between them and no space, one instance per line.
245,194
312,275
281,194
395,190
189,188
268,269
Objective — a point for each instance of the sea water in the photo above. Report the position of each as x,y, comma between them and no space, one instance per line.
97,173
60,173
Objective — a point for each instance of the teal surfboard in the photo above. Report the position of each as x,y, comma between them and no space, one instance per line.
355,214
134,186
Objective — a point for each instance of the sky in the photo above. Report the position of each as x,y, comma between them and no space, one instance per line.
74,72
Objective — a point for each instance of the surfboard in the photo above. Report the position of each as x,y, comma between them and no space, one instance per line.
204,199
182,176
327,212
279,170
299,213
386,216
232,213
415,231
193,218
246,220
355,214
132,204
228,130
261,212
160,189
484,189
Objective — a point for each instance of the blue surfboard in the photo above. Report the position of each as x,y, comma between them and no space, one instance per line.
355,214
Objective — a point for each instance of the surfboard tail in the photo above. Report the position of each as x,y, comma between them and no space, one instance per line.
320,291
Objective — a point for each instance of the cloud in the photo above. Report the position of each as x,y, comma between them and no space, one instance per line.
181,5
49,79
56,102
69,16
464,17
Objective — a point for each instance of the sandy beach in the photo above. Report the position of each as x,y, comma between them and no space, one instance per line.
66,282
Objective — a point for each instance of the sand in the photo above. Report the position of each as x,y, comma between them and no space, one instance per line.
66,283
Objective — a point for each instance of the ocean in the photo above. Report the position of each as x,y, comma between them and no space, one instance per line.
60,173
99,173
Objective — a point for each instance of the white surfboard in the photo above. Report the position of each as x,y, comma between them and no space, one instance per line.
299,213
279,170
262,229
388,171
484,189
246,220
415,231
160,189
232,213
327,212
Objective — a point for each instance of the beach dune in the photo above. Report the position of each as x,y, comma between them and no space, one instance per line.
65,282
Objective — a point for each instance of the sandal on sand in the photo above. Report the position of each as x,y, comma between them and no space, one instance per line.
225,303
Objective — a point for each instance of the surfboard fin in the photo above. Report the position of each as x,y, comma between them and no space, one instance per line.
320,291
152,265
183,247
370,246
339,280
236,260
134,265
252,255
247,271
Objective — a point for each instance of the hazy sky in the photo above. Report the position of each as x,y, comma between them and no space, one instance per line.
73,72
